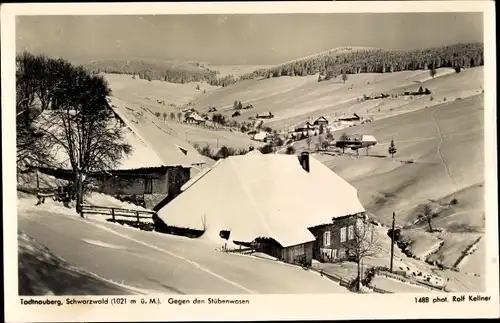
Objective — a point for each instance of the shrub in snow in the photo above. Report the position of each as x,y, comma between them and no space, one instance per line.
290,150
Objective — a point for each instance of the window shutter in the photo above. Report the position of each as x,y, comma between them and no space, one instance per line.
326,238
343,234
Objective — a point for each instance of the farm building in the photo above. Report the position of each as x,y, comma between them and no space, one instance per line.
333,240
355,117
357,141
148,174
193,117
260,136
163,141
304,130
144,185
267,115
349,121
321,122
305,127
259,199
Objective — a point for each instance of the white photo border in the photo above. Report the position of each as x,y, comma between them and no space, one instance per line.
262,307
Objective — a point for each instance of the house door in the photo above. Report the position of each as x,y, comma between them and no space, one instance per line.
148,186
316,251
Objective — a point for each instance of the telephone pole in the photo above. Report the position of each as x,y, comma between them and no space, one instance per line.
392,238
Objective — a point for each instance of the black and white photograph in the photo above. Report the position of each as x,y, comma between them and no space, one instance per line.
224,155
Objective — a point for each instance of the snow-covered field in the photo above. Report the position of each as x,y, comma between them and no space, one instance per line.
146,93
294,99
454,246
139,96
439,168
473,263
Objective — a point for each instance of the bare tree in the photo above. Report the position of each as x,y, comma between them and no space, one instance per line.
344,77
78,125
427,216
321,142
164,116
432,72
342,141
361,243
329,136
309,141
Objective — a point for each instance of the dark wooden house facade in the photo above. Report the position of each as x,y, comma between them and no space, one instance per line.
149,185
332,239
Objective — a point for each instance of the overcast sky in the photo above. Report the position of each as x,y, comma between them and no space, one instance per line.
238,39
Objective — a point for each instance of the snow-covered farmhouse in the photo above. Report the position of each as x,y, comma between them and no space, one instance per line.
349,121
267,115
304,130
321,122
259,200
158,165
193,117
355,117
357,141
260,136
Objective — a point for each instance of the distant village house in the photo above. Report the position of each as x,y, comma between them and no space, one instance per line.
267,115
193,117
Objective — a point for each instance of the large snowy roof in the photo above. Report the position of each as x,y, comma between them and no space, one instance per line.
369,138
166,144
258,196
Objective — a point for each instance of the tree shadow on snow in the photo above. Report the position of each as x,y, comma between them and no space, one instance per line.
40,274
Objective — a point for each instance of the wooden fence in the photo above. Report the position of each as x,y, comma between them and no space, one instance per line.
244,250
114,212
405,278
336,278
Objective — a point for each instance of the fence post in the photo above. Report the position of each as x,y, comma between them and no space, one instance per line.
113,214
137,213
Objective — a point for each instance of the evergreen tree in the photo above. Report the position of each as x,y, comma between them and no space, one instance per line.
392,148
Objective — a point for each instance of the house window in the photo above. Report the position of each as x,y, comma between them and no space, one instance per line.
342,253
343,236
148,186
350,232
326,238
334,254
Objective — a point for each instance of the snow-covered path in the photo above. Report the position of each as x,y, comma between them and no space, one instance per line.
169,264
